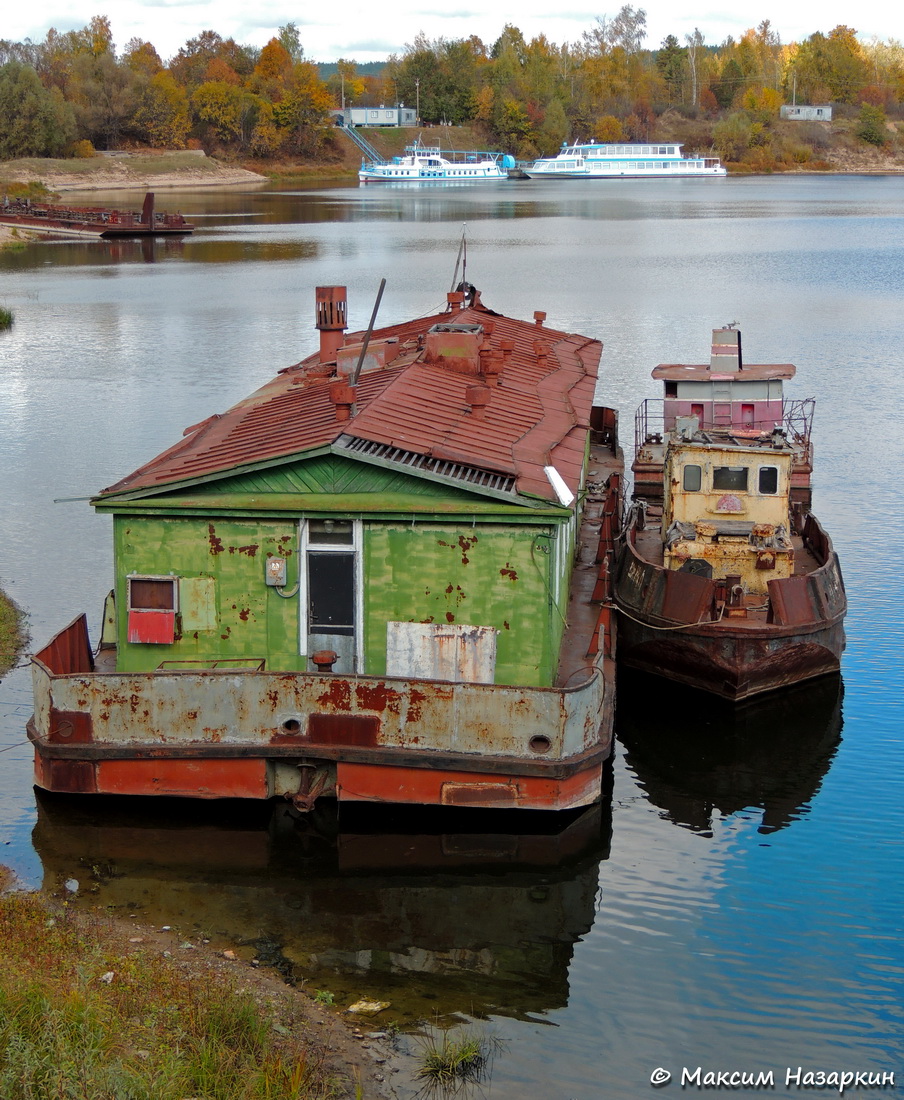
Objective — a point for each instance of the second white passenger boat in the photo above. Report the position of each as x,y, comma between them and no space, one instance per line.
611,161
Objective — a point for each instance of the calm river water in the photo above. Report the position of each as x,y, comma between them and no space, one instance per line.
736,903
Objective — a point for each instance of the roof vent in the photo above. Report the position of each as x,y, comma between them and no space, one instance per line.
478,397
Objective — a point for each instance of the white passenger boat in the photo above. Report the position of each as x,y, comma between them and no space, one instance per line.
610,161
428,164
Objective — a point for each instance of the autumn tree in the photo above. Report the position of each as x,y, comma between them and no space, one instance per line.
56,55
871,125
290,40
344,84
226,112
885,66
34,121
273,71
142,58
104,94
553,129
828,67
729,83
191,63
302,115
162,117
611,75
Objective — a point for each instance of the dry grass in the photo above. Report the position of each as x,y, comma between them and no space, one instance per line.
12,636
80,1017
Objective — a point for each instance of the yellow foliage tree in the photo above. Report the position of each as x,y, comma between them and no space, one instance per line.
163,116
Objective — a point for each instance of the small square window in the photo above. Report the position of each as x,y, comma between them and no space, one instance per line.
152,593
693,479
768,480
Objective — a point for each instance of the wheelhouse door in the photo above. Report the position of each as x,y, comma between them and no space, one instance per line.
332,599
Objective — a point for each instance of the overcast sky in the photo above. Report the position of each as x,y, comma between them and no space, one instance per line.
371,31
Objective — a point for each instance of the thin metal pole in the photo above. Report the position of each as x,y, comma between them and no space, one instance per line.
370,328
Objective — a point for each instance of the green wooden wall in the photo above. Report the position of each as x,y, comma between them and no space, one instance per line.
474,569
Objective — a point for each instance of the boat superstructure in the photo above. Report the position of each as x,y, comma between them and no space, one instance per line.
723,394
724,581
611,160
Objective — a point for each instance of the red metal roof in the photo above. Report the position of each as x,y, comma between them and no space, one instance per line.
536,414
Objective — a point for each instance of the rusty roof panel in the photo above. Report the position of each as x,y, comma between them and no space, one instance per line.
531,406
701,372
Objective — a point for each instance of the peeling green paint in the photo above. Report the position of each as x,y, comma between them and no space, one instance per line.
451,557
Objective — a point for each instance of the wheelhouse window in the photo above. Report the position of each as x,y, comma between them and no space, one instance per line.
152,605
768,480
693,478
730,479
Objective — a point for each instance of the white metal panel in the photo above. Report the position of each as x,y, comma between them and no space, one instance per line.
441,651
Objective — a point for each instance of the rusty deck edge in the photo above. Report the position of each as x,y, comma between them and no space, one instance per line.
730,627
432,759
597,667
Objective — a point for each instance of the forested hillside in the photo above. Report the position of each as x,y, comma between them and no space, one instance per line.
75,92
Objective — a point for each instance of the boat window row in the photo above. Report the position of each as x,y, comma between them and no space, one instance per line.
731,479
438,172
657,165
631,150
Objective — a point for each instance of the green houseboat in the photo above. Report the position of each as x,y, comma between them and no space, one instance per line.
382,577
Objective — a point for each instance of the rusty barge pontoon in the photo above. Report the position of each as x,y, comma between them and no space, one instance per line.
94,222
724,580
381,578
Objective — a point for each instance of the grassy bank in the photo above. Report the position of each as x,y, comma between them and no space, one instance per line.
12,636
85,1013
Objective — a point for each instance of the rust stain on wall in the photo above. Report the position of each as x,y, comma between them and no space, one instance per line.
465,544
216,543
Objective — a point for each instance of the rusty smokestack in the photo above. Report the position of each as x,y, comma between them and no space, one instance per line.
332,320
725,357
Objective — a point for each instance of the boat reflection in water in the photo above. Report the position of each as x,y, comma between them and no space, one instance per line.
433,913
695,756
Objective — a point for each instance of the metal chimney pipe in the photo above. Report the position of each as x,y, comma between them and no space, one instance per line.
332,320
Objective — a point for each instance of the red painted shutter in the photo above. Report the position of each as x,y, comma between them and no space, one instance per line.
154,627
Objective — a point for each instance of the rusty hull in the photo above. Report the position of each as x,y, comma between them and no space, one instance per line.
670,625
256,734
